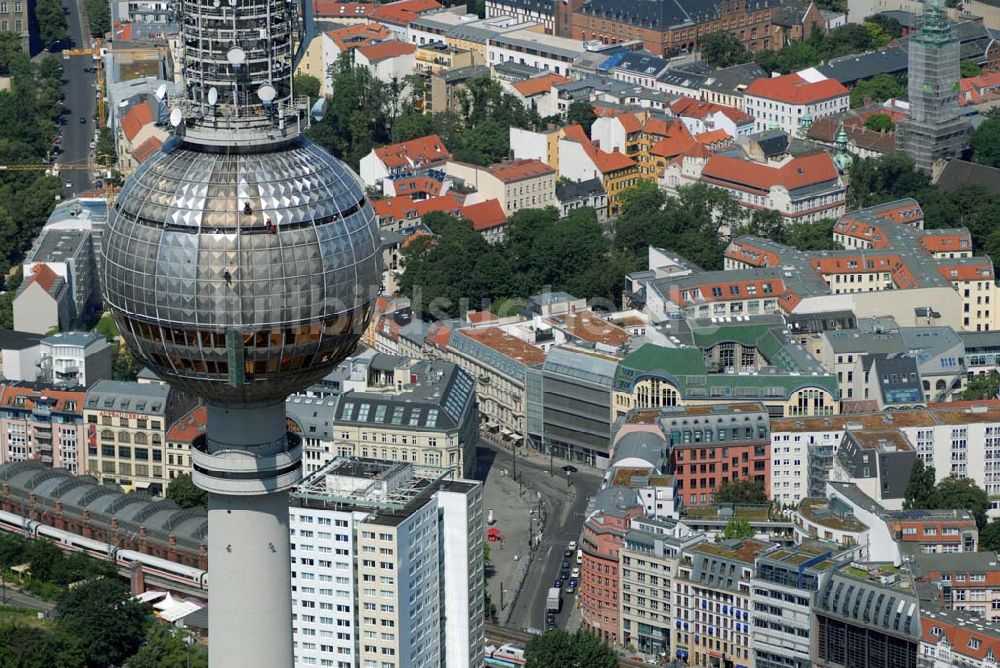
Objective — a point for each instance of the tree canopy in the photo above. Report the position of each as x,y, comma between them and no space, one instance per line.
880,123
458,269
743,491
185,493
99,16
722,49
168,647
107,623
949,493
559,649
982,386
23,646
985,142
920,489
581,112
52,24
879,88
306,84
736,528
365,112
989,537
821,47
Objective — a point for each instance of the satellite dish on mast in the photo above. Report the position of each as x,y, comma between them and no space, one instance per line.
161,92
213,96
266,93
236,56
176,116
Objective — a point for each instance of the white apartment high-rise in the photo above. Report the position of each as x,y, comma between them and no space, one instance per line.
387,567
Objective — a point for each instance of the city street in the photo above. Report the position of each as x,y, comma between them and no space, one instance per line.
564,506
80,101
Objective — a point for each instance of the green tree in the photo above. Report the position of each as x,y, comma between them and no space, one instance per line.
168,647
982,386
962,493
98,16
817,235
736,528
105,149
985,143
52,24
559,649
102,616
880,123
889,25
968,68
306,84
185,493
885,178
485,143
920,489
581,112
742,491
722,49
24,646
989,537
124,366
10,49
412,124
879,88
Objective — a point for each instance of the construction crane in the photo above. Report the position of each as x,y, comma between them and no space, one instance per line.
96,54
54,169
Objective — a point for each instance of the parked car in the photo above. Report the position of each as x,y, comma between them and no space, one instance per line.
83,119
69,184
569,468
570,588
558,583
572,545
568,553
576,572
550,618
565,564
573,583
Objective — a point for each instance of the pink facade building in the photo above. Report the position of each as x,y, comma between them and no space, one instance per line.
44,424
602,539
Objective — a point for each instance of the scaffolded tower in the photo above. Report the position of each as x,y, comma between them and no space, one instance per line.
241,264
934,130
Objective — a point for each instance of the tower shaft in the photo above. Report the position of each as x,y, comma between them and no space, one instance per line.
247,462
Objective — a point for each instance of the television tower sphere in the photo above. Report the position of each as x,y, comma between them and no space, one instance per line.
241,277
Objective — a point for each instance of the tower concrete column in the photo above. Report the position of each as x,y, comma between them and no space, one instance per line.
247,462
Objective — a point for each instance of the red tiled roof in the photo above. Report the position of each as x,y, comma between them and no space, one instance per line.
605,162
439,334
692,108
519,170
146,149
507,345
9,392
713,137
970,271
418,184
403,207
797,173
484,215
327,9
960,637
418,152
943,243
538,85
385,50
189,427
476,317
630,123
45,277
352,37
793,89
135,119
404,11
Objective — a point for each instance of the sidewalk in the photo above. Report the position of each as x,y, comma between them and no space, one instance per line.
512,518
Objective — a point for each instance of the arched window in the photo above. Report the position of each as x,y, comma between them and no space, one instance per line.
940,385
107,435
141,439
156,439
123,437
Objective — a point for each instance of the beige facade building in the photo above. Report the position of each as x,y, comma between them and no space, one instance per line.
180,436
127,427
521,184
